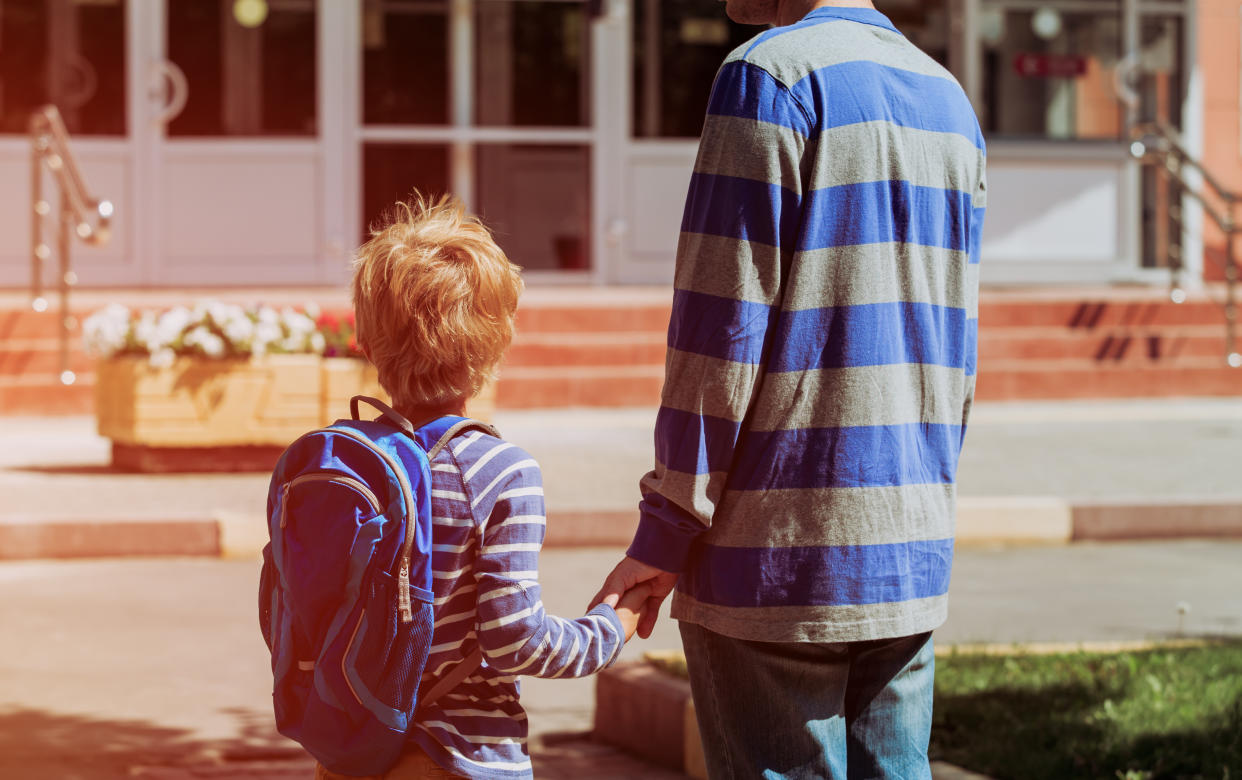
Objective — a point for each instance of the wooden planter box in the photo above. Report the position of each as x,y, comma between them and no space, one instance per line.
342,379
227,415
219,415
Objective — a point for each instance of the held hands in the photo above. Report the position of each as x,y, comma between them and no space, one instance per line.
628,576
630,608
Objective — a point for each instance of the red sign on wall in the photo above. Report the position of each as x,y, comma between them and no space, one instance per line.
1050,66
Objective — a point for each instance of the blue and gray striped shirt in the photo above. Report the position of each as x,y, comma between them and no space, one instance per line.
822,345
488,527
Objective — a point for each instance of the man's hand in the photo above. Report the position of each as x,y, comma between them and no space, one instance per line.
630,609
628,573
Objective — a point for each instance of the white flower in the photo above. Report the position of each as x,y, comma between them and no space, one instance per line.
172,324
200,336
296,322
219,313
211,328
239,330
146,330
106,331
212,344
265,334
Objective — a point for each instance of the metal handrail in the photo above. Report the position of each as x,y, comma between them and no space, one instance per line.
50,149
1159,144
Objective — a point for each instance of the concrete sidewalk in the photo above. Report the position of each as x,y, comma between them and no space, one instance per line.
1030,472
113,666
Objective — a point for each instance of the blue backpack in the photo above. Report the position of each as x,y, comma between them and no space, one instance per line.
345,597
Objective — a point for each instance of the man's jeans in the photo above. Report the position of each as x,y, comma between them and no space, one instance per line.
802,710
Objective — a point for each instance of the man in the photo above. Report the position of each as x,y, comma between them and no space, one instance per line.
820,372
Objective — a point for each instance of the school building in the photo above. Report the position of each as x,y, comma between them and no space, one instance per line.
248,143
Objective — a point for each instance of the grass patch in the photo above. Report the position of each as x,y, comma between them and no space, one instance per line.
1159,713
1150,714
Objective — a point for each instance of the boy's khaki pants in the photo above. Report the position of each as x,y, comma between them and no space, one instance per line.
414,765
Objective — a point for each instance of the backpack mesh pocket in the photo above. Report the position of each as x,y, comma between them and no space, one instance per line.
392,653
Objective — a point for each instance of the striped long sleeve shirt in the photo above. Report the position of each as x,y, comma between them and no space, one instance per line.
822,345
488,528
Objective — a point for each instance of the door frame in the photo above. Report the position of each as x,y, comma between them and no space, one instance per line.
155,153
461,135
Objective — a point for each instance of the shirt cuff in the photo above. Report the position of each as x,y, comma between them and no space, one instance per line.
661,544
609,614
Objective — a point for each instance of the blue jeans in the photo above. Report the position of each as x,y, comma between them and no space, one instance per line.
802,710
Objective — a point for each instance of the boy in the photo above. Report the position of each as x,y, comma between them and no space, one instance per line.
435,300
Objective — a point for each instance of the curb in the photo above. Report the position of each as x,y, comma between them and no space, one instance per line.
651,714
24,538
980,521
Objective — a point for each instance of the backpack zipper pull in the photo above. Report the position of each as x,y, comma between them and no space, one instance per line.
284,503
403,594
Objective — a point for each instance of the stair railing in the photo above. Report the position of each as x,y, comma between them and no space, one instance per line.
1158,144
50,149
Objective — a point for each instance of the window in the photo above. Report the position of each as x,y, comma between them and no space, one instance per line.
405,62
244,80
69,54
678,47
532,64
1049,73
391,172
536,199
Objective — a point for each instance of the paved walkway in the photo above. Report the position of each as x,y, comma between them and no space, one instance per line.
108,665
70,680
1180,449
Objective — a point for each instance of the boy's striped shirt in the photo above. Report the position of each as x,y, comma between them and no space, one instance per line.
488,527
822,346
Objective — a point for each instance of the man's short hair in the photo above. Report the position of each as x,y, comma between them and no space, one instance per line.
435,300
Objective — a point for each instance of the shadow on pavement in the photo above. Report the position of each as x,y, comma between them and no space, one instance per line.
39,745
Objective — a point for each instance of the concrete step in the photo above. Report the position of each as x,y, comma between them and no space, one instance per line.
24,357
569,317
613,348
1144,345
1099,310
1072,379
606,347
541,387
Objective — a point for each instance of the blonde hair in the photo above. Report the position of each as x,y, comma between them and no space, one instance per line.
435,300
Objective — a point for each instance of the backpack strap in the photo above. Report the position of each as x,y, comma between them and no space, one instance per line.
395,418
463,424
387,412
449,681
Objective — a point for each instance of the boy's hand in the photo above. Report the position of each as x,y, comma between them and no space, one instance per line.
630,608
630,573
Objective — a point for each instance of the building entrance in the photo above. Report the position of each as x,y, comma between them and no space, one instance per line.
252,142
199,120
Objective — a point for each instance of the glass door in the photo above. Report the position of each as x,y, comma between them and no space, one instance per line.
234,167
490,100
76,56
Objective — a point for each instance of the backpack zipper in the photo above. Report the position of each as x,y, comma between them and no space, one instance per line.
357,485
404,604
